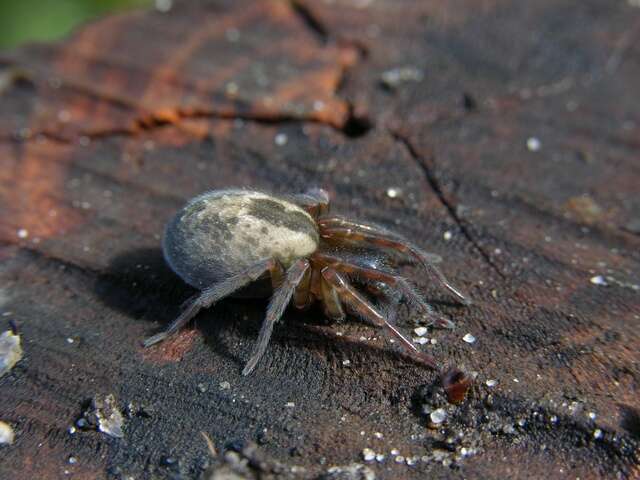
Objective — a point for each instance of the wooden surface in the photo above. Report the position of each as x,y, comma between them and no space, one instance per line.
105,135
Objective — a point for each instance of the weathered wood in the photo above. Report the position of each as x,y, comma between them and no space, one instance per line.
105,135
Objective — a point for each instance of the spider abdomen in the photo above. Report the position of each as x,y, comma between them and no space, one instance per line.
223,232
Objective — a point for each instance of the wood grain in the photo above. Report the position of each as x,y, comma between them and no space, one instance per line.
105,135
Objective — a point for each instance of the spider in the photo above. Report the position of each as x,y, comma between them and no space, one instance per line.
225,240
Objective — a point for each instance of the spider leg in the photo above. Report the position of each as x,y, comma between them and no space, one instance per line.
407,248
331,302
212,294
362,307
302,296
277,305
373,275
337,229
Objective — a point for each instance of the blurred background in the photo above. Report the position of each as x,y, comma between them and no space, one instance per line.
24,21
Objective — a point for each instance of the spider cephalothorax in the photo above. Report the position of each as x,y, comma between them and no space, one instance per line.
224,240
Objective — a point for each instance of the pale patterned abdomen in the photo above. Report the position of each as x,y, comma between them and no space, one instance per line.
223,232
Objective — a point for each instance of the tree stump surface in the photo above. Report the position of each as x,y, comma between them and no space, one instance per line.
501,135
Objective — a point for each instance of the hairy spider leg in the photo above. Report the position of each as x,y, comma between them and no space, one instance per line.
330,230
302,296
331,301
215,292
363,308
373,275
277,305
411,249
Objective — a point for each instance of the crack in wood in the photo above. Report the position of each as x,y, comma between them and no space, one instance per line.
311,21
427,169
354,126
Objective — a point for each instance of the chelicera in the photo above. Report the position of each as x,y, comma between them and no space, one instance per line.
226,240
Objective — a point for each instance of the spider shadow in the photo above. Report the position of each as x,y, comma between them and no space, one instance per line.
630,420
140,285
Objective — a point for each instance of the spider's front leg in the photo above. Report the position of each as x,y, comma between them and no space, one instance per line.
216,292
403,288
281,297
363,308
338,230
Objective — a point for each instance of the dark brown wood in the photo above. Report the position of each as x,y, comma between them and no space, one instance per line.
501,135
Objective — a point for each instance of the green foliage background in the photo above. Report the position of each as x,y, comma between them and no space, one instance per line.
41,20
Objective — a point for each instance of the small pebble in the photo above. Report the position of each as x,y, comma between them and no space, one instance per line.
167,461
225,385
379,457
393,192
318,105
433,341
399,459
438,416
202,387
395,451
469,338
592,415
10,351
23,233
491,383
533,144
598,280
109,416
82,423
6,434
64,116
231,88
597,434
163,5
71,430
395,77
232,34
72,460
378,435
368,455
346,363
420,340
281,139
289,404
447,236
420,331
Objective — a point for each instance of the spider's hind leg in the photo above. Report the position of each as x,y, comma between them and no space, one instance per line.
212,294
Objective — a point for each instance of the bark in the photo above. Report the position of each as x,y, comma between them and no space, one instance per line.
500,135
